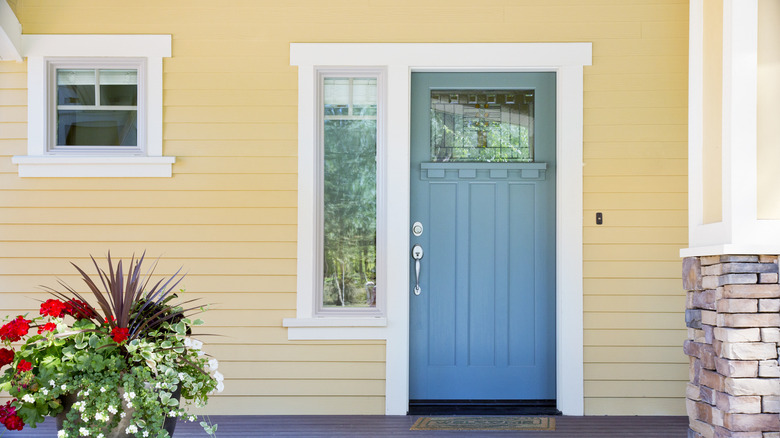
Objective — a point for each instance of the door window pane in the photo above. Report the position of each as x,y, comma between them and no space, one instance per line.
349,211
482,125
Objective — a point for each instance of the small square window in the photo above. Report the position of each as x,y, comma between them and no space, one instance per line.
95,107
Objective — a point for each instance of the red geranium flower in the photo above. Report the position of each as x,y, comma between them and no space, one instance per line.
55,308
23,365
13,422
48,327
120,334
6,356
14,330
78,309
8,417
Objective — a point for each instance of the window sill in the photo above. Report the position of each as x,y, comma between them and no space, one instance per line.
323,329
50,166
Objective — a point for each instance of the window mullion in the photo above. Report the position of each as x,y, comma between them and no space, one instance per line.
97,87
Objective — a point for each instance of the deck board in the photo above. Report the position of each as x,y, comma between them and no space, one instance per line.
332,426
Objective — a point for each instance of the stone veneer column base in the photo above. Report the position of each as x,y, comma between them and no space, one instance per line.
733,318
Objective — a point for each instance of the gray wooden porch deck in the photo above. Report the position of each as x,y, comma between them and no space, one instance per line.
398,426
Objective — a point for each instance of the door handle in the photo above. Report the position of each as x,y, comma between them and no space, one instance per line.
417,255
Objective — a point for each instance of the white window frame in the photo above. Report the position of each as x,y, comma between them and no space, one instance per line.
54,64
319,309
42,51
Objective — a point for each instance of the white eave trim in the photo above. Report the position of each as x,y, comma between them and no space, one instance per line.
93,167
115,46
443,56
10,34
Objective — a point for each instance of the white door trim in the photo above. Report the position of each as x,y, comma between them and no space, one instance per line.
567,60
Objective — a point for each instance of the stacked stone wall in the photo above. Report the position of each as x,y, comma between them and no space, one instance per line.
733,319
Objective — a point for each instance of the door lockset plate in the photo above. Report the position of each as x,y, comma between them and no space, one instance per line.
417,229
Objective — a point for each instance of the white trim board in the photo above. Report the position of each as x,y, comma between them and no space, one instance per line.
400,60
38,49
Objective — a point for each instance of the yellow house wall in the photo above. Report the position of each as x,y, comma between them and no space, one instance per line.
229,213
768,108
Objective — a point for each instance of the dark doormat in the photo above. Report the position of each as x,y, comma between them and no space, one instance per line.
484,423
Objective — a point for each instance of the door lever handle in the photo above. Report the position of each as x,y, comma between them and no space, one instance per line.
417,255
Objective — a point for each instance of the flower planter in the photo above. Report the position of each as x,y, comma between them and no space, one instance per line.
120,430
135,338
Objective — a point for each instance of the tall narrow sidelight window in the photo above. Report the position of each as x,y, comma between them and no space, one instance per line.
349,134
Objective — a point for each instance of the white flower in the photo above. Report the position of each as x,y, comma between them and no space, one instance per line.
101,416
64,387
53,384
146,433
62,434
196,344
102,389
44,391
100,435
83,431
220,386
213,364
84,418
131,429
182,376
129,404
172,414
129,396
157,385
84,393
28,398
112,409
122,414
192,418
219,376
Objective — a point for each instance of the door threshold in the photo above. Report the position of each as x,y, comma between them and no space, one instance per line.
483,407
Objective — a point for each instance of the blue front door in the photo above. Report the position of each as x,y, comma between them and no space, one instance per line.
483,188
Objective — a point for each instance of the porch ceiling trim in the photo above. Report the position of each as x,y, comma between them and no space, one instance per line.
10,34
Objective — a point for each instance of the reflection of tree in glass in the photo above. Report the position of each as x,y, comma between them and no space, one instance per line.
455,139
350,211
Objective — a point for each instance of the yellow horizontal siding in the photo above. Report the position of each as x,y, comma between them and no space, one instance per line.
611,252
301,405
229,213
159,215
654,336
635,405
634,372
617,388
178,252
204,283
